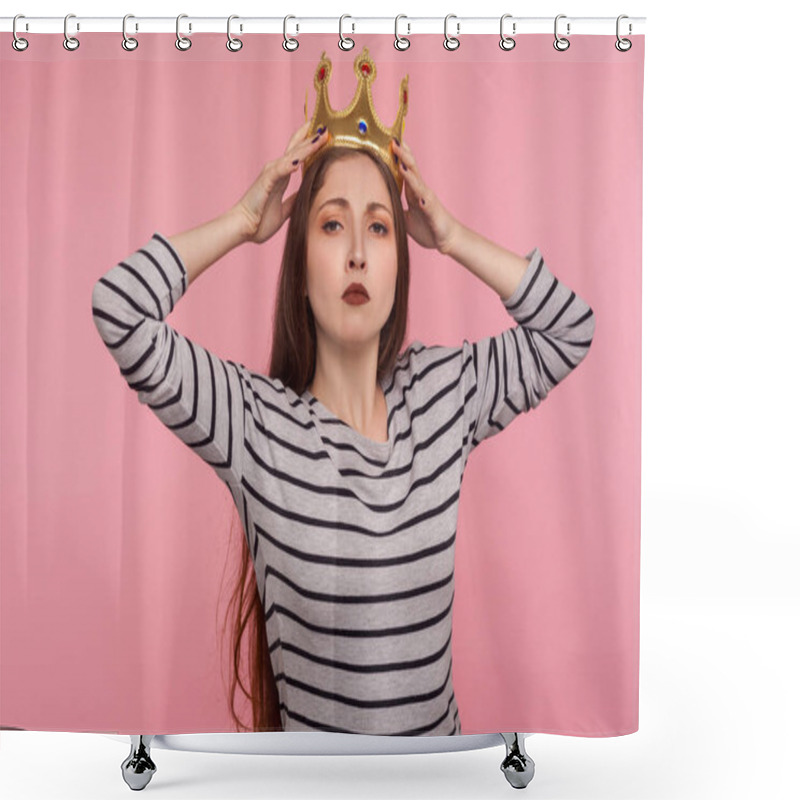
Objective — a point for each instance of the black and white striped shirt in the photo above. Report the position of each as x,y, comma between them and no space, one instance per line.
352,540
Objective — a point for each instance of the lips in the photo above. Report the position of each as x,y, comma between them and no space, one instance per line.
357,289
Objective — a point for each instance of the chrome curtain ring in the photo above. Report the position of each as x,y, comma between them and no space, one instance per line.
451,42
17,42
507,42
128,42
623,45
560,42
344,42
233,44
400,42
290,44
70,42
182,43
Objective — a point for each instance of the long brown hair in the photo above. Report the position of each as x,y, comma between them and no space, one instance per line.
293,361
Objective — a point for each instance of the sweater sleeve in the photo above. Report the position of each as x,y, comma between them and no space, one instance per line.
514,371
197,395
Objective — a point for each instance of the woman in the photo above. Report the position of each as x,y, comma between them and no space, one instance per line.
345,464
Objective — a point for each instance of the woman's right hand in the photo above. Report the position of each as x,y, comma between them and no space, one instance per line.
262,207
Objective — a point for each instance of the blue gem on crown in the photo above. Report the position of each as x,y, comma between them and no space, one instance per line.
362,126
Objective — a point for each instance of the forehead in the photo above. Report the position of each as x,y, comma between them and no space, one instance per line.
355,179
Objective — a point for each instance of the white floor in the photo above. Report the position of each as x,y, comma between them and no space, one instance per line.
719,698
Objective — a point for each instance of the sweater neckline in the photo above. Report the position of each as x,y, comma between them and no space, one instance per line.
347,433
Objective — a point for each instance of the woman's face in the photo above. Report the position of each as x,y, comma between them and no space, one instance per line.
351,238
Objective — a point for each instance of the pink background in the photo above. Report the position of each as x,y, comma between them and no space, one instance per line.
114,538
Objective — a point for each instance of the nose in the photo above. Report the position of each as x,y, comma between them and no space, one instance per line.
357,257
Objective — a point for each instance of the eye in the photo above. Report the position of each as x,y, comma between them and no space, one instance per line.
383,228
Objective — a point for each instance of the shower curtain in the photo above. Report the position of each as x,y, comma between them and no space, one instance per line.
120,544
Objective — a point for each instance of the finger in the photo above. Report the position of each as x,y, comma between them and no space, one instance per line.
402,164
300,152
404,154
278,173
409,170
416,191
298,135
307,146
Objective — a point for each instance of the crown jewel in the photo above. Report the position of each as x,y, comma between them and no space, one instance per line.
356,126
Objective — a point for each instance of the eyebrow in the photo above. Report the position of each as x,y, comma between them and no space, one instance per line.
341,201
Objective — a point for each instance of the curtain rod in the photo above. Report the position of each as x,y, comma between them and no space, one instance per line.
406,26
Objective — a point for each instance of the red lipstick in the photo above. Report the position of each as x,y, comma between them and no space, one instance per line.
355,294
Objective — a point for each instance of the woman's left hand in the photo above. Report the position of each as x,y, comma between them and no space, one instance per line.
428,222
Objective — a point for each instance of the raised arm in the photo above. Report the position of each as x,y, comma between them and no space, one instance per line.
512,372
197,395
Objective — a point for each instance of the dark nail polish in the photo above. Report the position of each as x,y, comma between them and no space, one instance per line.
294,163
395,159
404,166
396,142
315,138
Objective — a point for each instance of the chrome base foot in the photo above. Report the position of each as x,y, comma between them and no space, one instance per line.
138,768
517,766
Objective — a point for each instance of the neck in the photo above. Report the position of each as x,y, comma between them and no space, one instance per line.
345,381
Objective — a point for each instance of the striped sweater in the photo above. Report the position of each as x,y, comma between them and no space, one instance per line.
352,540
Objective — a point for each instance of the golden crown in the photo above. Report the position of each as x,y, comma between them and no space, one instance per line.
357,125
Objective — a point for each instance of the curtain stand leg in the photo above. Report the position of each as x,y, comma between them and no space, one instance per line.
138,768
517,766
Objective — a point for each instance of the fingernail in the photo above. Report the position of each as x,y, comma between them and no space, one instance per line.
404,166
396,142
294,163
395,158
315,138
